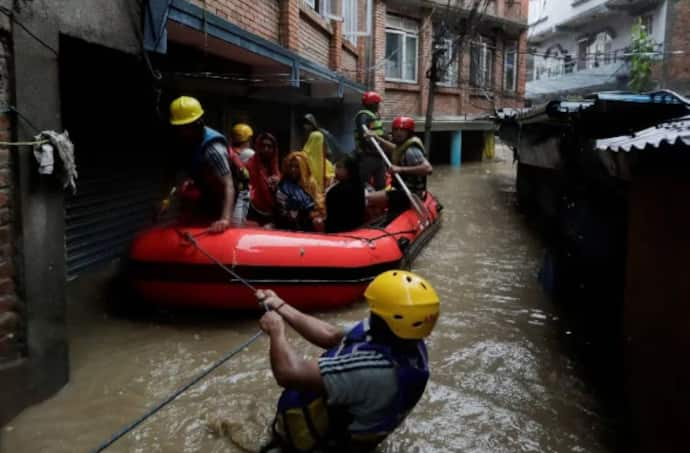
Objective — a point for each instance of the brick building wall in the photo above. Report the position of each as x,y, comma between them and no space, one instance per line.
446,102
676,74
514,9
314,39
379,45
461,99
399,102
260,17
349,63
519,101
10,318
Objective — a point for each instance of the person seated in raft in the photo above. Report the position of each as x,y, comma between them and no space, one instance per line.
408,159
345,200
316,150
368,379
241,135
299,203
263,179
238,154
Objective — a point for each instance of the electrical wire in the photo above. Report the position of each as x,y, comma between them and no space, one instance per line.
12,109
10,14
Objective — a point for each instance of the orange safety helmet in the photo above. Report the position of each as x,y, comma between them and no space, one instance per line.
371,97
403,122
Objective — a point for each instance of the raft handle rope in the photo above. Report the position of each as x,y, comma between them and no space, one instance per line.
375,238
192,240
127,429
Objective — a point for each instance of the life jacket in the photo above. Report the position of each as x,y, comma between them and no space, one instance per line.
240,172
416,183
375,125
195,165
210,190
307,424
201,176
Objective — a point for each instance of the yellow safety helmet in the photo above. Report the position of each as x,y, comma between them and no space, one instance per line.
185,110
406,302
241,133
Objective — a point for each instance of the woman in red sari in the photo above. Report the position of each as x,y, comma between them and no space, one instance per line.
264,176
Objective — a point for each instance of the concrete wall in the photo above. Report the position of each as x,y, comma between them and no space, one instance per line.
36,203
111,23
619,23
558,11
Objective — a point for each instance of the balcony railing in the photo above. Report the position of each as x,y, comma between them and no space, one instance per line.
509,10
560,66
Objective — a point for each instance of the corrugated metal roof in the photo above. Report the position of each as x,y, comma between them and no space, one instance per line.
579,82
658,97
669,133
670,104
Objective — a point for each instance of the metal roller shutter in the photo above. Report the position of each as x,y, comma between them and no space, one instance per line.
119,154
102,218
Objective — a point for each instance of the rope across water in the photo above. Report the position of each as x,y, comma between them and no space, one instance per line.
130,427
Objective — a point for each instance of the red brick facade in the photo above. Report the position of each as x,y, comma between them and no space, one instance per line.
260,17
676,73
314,37
289,24
379,46
349,61
296,26
462,99
398,101
10,318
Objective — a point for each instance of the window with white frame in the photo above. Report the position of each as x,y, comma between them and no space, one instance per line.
482,63
402,47
323,7
582,49
537,9
447,64
554,66
510,65
600,50
531,67
647,22
350,20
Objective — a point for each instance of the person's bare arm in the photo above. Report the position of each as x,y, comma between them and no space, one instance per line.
289,369
422,169
315,331
223,223
387,146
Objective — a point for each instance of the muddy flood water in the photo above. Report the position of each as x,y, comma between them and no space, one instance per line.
502,379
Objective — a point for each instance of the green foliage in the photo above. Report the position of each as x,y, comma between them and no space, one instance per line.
642,59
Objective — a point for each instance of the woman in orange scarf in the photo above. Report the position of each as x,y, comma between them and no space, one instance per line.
263,179
300,203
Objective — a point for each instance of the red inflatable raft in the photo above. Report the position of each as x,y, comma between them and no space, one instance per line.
308,270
